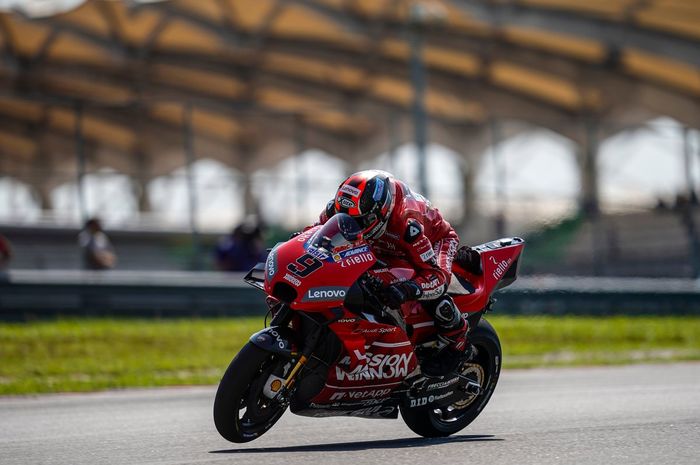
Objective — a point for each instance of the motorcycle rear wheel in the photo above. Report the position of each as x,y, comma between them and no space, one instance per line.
241,410
484,369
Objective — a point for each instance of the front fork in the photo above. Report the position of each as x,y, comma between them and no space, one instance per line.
278,338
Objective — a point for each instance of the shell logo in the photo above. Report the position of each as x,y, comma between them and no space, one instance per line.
275,385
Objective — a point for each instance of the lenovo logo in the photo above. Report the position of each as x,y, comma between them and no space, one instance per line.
316,294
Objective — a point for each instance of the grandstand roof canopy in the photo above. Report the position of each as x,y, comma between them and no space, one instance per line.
240,69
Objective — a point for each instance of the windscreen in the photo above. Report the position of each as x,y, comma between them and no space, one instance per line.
340,231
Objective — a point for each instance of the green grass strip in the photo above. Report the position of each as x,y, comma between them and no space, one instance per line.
87,355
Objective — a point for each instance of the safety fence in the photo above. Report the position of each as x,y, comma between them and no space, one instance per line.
28,294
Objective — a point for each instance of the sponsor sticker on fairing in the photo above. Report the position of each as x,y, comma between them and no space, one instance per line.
355,251
292,279
314,252
377,366
354,191
368,394
271,264
381,330
501,267
357,259
326,293
304,236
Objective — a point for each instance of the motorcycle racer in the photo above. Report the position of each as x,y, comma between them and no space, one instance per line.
405,230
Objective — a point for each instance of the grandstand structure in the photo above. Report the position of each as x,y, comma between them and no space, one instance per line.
143,87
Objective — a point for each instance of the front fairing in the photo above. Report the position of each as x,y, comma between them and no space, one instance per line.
315,279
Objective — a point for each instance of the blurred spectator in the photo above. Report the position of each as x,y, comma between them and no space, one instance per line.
242,249
98,253
661,205
5,255
682,201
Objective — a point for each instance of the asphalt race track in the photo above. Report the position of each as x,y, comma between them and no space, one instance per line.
647,414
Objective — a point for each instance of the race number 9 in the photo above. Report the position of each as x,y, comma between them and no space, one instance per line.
305,265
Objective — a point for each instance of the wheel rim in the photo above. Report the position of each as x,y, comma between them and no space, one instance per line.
256,412
476,371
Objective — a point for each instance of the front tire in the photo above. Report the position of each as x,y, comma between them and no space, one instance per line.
242,412
484,369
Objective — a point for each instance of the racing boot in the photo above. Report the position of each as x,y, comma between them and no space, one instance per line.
452,336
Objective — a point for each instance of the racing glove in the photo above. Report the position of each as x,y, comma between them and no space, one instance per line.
470,260
396,294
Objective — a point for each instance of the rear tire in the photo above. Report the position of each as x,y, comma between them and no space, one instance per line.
241,411
484,369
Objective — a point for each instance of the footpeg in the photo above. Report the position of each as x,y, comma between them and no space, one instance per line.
472,388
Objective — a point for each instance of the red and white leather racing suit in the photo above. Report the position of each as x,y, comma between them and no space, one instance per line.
418,237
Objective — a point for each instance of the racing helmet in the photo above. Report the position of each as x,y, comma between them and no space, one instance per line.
368,196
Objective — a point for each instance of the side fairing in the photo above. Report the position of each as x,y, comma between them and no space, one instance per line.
361,382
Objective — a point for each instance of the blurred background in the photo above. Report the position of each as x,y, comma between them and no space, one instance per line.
153,138
150,151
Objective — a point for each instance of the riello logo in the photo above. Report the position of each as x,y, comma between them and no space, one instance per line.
357,259
501,267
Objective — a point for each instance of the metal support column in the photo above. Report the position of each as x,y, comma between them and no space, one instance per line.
80,160
690,205
467,172
250,204
42,181
139,180
420,117
141,163
688,165
589,170
190,156
393,132
299,172
590,206
500,178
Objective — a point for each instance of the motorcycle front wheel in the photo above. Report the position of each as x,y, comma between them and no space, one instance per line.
484,369
242,411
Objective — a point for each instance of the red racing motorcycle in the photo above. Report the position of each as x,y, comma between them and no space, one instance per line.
333,348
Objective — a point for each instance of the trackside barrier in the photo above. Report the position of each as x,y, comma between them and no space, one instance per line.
27,294
550,295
